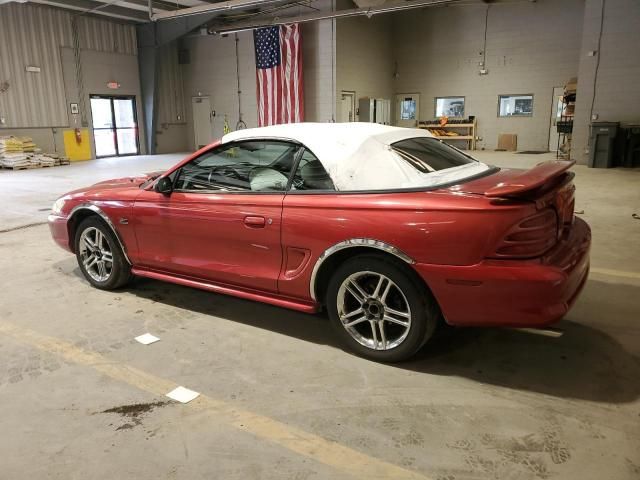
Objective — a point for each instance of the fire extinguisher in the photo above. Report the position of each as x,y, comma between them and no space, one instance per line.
78,136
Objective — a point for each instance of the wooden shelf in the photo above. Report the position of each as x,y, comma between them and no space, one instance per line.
448,125
469,136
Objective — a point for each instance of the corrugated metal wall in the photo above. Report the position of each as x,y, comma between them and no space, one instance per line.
170,87
33,35
106,36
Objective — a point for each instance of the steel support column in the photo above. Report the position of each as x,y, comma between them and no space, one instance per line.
151,36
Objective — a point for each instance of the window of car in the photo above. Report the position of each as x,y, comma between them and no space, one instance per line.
252,166
430,154
310,174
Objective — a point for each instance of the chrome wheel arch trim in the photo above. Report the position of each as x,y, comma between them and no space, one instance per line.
107,220
350,243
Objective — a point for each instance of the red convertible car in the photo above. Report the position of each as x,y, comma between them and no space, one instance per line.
389,229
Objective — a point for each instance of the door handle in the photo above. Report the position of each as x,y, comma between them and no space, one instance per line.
254,222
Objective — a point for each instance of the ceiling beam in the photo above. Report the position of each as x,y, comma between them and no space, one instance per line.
86,6
143,5
214,8
388,7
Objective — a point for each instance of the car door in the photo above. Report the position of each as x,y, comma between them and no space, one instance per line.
314,217
222,220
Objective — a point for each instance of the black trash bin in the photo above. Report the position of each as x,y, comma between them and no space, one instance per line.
601,144
629,150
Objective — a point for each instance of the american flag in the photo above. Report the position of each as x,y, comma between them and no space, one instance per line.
279,74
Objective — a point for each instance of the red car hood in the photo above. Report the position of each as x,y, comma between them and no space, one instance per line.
516,183
114,184
127,181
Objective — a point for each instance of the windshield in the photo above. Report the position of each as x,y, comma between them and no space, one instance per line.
430,155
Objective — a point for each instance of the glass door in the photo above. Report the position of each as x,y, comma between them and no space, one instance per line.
115,129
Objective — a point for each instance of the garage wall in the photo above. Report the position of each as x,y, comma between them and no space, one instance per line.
617,89
531,48
98,68
37,104
171,129
33,99
212,72
319,70
364,57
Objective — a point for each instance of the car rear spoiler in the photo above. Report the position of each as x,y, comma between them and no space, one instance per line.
530,179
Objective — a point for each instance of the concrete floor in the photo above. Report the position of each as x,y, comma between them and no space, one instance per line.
280,398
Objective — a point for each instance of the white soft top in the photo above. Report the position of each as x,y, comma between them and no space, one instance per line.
358,156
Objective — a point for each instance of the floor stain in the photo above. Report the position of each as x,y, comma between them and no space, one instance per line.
133,413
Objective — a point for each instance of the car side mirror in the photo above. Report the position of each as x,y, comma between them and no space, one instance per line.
164,185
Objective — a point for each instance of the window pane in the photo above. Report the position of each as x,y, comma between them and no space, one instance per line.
428,154
311,175
251,166
515,105
449,107
127,141
105,142
101,113
123,108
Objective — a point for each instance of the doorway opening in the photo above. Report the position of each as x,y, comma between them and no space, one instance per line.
202,121
348,106
556,114
115,125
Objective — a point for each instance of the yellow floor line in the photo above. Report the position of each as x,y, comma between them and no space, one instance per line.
340,457
615,273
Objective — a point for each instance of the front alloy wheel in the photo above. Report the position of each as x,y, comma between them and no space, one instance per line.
380,309
96,255
100,256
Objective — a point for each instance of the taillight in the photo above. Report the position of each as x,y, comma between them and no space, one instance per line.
531,237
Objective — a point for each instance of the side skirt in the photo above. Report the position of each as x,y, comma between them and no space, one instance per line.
276,300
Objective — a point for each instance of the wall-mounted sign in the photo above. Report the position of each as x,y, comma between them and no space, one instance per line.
32,69
113,85
74,108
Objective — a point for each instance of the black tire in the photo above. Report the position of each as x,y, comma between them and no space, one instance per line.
120,272
423,309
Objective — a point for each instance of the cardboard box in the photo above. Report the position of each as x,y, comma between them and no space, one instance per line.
507,142
571,86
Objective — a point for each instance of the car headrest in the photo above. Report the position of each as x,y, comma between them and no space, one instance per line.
315,176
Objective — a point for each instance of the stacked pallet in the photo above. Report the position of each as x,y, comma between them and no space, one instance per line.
21,152
12,154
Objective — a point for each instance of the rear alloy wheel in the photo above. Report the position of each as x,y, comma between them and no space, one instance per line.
99,255
379,310
378,319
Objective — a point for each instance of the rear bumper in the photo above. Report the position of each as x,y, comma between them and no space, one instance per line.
532,293
59,231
